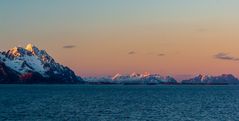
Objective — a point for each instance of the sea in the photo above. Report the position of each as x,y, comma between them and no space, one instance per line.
119,103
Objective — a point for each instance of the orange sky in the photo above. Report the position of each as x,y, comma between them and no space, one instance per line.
166,37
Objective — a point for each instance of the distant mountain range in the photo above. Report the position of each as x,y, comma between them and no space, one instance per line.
31,65
206,79
133,78
152,79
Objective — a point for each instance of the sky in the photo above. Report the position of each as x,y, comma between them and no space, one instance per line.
104,37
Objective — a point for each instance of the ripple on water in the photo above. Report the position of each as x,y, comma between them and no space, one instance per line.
128,103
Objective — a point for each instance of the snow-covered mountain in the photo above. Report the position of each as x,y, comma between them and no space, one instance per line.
32,65
206,79
147,78
133,78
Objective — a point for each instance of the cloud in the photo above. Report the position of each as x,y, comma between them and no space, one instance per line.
161,54
68,46
225,56
131,52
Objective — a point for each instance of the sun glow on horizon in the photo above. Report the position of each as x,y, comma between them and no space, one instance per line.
97,38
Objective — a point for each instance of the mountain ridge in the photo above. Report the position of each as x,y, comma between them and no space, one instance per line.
32,65
207,79
147,78
134,78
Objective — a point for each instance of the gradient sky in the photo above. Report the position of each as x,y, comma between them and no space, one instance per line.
104,37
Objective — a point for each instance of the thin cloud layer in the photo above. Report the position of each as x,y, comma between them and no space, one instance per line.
131,52
69,46
225,56
161,54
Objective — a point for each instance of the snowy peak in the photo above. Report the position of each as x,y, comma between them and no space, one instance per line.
116,76
33,49
30,47
145,78
17,52
145,74
207,79
134,78
29,50
29,60
134,74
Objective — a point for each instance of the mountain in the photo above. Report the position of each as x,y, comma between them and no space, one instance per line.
146,78
206,79
133,78
32,65
99,80
151,79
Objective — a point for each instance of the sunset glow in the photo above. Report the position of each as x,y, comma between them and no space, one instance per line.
105,37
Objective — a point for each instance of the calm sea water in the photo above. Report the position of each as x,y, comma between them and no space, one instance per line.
118,103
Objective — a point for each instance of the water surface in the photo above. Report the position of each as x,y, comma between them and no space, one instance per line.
118,103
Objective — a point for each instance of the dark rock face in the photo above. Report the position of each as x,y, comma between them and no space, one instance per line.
30,66
171,80
7,75
66,76
195,80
